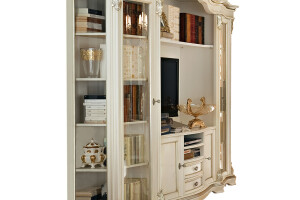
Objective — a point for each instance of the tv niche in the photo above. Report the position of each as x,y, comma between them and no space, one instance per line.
169,86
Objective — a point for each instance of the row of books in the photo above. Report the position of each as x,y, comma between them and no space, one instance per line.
135,189
191,153
134,149
92,193
131,13
89,20
191,28
133,103
95,109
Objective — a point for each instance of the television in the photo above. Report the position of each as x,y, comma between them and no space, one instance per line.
169,86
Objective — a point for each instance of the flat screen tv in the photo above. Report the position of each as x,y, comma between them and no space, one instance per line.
169,86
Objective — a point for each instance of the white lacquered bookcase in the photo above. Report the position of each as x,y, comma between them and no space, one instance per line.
130,78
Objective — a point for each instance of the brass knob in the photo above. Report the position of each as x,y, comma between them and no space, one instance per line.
196,184
181,165
155,101
196,168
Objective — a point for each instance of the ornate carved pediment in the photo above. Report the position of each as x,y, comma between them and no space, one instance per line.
219,7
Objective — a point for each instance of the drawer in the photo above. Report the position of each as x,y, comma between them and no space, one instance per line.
192,184
192,168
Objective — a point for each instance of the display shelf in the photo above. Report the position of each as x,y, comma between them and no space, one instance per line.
91,170
135,122
137,165
198,158
135,81
134,36
90,79
170,42
194,146
89,125
97,34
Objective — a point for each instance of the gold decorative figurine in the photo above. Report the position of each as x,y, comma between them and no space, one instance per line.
195,111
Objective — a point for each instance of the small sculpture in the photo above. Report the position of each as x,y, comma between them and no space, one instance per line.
93,155
196,111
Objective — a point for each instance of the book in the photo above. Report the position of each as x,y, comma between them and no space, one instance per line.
88,192
191,28
191,141
95,100
98,107
94,96
134,18
90,15
86,30
94,104
89,25
139,13
91,111
133,149
95,115
127,150
88,19
88,11
139,149
95,118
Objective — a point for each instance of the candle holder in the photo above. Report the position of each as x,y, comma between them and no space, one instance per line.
91,58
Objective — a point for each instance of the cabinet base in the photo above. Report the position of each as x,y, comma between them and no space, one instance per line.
216,187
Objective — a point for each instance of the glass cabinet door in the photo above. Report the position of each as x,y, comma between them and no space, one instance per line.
136,104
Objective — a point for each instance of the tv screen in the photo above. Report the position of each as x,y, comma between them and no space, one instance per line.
169,86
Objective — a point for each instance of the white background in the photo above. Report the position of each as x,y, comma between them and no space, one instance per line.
265,100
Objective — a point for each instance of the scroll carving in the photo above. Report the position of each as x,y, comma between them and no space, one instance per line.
159,7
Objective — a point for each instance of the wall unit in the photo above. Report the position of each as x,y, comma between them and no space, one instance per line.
138,157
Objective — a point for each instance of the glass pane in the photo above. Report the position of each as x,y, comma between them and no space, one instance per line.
136,100
90,98
223,108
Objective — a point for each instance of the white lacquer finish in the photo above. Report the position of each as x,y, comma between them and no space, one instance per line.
169,175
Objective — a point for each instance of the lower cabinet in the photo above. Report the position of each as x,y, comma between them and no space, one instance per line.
182,177
171,175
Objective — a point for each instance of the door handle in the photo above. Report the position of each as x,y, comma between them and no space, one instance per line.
155,101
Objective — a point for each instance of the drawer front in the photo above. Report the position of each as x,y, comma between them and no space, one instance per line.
192,168
191,185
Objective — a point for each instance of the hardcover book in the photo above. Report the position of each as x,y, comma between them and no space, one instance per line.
191,28
88,11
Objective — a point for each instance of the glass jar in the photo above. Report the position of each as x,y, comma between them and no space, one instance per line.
91,58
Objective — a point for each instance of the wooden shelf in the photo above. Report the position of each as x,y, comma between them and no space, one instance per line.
194,146
134,36
90,125
170,42
91,170
90,79
194,159
97,34
137,165
135,122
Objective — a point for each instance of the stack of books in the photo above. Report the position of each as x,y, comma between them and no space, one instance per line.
135,189
92,193
89,20
95,109
191,28
133,103
133,149
166,124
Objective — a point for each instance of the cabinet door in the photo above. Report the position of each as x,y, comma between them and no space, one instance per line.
208,164
171,175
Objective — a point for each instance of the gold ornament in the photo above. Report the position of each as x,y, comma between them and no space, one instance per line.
196,111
